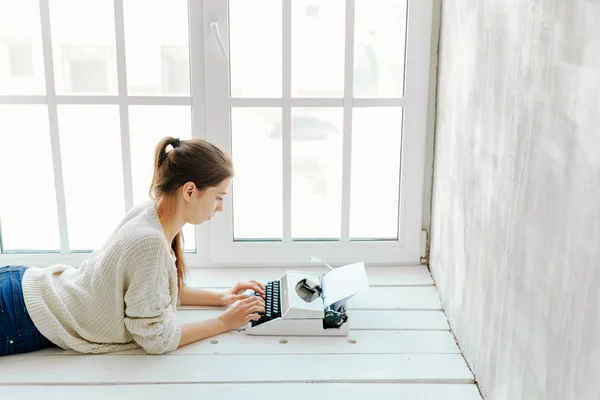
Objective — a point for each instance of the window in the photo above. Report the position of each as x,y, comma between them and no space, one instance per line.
310,98
21,63
20,59
175,69
86,69
322,105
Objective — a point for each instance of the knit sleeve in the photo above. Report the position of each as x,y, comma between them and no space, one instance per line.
149,315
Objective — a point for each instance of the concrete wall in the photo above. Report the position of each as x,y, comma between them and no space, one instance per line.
516,202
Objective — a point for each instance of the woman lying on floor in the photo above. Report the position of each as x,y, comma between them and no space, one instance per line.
125,295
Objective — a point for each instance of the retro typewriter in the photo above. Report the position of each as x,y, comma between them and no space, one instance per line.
295,305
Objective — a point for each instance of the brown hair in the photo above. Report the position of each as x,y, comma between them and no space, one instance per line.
193,160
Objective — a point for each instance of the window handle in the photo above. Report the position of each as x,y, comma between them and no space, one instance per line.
214,27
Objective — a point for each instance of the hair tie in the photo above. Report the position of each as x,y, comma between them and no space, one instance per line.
176,143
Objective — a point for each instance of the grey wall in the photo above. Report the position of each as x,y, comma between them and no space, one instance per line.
516,214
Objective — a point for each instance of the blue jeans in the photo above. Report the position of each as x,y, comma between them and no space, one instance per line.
18,334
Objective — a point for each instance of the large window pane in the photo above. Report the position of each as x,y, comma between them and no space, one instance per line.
316,172
318,29
379,46
156,45
93,172
257,186
28,216
147,126
83,45
255,47
21,60
376,146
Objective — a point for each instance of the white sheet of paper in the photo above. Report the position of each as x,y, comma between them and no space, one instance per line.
342,283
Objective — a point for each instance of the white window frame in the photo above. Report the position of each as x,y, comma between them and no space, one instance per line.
209,97
407,248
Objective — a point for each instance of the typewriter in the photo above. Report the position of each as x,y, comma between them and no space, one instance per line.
295,306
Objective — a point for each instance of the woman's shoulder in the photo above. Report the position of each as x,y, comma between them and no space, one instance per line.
140,228
141,220
141,236
140,248
138,209
136,213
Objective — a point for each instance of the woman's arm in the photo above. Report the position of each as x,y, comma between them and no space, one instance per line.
195,331
234,317
191,296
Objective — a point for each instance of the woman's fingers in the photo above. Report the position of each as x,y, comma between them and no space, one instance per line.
253,305
257,287
259,284
252,285
237,297
254,309
253,299
251,317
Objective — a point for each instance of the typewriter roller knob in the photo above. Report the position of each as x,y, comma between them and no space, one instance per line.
334,319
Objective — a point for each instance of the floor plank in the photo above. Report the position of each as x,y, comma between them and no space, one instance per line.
360,342
396,298
387,298
326,391
145,369
358,319
417,275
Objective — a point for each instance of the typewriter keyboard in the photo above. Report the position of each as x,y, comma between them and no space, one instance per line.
272,304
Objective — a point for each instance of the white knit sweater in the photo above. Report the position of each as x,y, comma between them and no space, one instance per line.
124,296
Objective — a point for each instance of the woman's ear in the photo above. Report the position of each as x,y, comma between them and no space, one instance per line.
188,190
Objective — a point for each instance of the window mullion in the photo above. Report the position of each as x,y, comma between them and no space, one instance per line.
347,128
218,121
198,105
53,126
123,105
286,118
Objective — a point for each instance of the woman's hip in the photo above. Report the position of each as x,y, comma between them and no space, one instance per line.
18,334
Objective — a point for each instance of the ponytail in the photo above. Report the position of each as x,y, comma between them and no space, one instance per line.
177,247
158,182
160,155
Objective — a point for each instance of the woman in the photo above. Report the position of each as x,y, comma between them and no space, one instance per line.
125,295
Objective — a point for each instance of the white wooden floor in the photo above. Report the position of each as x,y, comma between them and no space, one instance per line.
399,346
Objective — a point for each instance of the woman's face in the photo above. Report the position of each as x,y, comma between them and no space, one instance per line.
203,205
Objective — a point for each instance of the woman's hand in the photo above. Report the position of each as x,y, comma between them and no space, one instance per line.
237,291
242,312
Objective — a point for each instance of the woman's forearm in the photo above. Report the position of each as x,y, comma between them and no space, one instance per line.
191,296
196,331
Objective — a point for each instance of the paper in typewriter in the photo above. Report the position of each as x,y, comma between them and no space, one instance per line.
342,283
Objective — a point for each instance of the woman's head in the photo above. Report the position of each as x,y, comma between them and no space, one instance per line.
192,175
